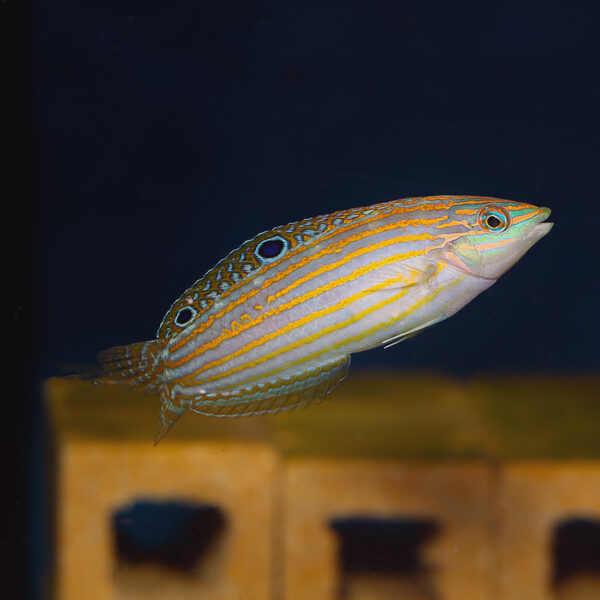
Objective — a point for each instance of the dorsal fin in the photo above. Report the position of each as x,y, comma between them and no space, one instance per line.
243,263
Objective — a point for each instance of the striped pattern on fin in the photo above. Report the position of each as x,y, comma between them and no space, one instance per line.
286,393
131,365
168,415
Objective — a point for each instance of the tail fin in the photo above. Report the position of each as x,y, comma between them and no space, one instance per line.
131,365
134,366
168,415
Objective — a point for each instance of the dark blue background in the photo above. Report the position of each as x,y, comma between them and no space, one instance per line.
162,135
169,133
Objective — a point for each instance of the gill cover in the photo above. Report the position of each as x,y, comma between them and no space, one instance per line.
499,240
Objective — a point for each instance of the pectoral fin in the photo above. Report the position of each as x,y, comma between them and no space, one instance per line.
398,275
396,339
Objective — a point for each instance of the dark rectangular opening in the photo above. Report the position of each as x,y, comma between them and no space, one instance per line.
576,554
383,557
176,535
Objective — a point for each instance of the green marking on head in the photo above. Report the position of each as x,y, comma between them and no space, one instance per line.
503,231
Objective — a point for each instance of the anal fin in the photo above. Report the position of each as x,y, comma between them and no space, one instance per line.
284,393
169,414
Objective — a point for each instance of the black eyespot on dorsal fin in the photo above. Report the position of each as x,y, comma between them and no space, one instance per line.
185,315
271,248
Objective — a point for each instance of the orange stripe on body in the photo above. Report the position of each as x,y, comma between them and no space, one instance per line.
454,223
361,251
490,245
467,211
291,326
336,247
333,328
521,218
338,230
472,211
236,328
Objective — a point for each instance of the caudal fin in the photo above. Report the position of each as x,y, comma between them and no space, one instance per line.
132,365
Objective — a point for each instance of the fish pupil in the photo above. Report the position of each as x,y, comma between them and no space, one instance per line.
493,222
184,316
270,248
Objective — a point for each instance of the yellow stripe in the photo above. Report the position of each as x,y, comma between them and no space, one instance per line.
289,327
450,202
336,247
521,218
333,328
361,251
237,328
472,211
454,223
490,245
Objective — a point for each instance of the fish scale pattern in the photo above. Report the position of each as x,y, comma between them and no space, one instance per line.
243,263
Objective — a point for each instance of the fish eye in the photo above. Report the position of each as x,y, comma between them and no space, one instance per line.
493,222
185,315
270,248
494,218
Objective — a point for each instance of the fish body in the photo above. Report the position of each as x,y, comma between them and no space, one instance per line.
273,324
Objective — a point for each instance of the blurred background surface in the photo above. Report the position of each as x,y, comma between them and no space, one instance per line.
157,137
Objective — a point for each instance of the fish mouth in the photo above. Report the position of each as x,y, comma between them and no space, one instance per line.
491,266
541,228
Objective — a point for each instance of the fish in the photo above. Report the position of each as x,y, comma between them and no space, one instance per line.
272,325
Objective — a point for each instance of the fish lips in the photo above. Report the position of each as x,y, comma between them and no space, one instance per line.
540,228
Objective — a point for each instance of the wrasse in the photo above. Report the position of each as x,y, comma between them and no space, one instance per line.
273,324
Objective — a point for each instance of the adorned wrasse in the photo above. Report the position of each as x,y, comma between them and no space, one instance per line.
273,324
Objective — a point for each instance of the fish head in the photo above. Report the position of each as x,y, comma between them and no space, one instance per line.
497,235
